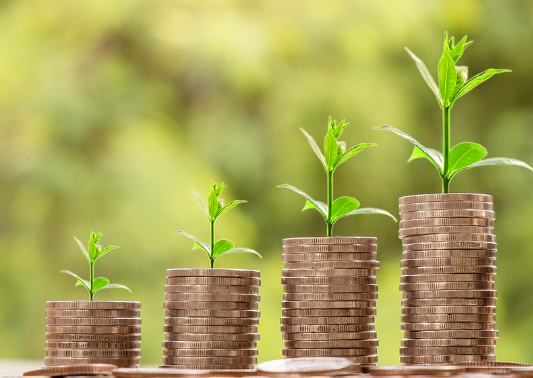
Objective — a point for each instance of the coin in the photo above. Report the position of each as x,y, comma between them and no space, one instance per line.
461,285
457,269
443,359
451,334
445,222
93,329
450,294
330,256
367,356
224,352
61,371
488,214
330,320
369,264
176,305
450,245
327,272
213,281
446,278
441,197
208,344
242,337
90,337
212,297
328,328
489,326
99,305
94,321
200,272
415,370
449,318
209,329
212,313
328,304
449,310
335,344
449,302
369,249
225,370
324,280
234,289
447,342
211,321
66,361
447,262
314,366
92,345
317,336
171,371
449,253
330,240
405,232
210,360
326,312
408,240
447,205
334,288
58,313
360,295
94,353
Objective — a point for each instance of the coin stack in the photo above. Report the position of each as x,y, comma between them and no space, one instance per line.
93,332
329,300
447,282
211,319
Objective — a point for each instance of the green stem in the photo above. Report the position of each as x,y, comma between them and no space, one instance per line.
446,148
91,280
330,201
212,243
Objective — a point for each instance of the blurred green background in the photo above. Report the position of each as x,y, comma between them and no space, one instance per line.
110,111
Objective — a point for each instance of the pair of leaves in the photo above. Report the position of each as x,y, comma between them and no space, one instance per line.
341,207
216,204
220,248
97,284
94,251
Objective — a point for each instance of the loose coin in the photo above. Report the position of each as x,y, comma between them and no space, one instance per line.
449,310
94,321
479,269
449,253
450,245
94,353
413,231
314,366
330,256
327,272
98,305
58,313
447,262
93,329
330,240
447,205
489,326
61,371
50,345
243,337
326,312
443,359
234,289
451,334
330,320
488,214
368,356
323,280
328,328
317,336
328,304
210,329
446,278
449,302
210,360
199,272
369,286
209,344
359,295
335,344
90,337
211,321
446,222
461,285
195,313
213,281
442,197
447,342
354,264
450,318
224,352
177,305
450,294
212,297
448,238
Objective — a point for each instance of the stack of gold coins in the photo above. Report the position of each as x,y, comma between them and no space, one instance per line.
449,301
93,332
211,319
329,300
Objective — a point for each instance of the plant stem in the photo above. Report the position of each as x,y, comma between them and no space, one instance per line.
212,243
330,201
91,280
446,147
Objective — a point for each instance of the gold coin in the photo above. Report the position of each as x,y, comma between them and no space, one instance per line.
213,313
447,342
327,272
61,371
328,328
213,371
472,302
446,222
213,281
89,337
330,296
457,269
58,313
335,344
452,334
203,272
447,205
450,245
206,361
211,321
226,289
328,304
324,280
330,240
212,297
415,231
448,318
177,305
449,253
93,353
93,305
210,352
317,336
326,312
442,197
447,278
244,337
369,249
209,329
391,371
449,310
450,294
67,361
489,326
209,344
443,359
94,321
92,345
370,264
486,214
446,262
93,329
301,366
331,288
369,355
328,320
461,285
449,238
329,256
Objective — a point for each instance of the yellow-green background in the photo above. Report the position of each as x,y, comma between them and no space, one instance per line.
110,111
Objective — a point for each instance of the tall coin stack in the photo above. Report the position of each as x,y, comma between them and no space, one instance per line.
211,319
329,300
447,282
93,332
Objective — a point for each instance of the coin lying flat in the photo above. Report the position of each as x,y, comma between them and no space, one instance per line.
447,205
447,326
330,240
106,313
456,269
488,214
449,318
98,305
209,344
413,231
209,329
93,329
368,249
212,336
326,312
449,310
460,285
415,370
224,289
448,342
450,294
323,280
447,262
92,345
442,197
212,297
223,352
449,302
330,320
444,359
330,256
368,356
226,369
342,264
450,245
195,313
369,286
449,253
67,361
210,360
172,372
307,366
210,281
359,295
451,334
463,237
446,222
420,278
94,321
199,272
317,336
328,328
335,344
327,272
61,371
94,353
211,321
175,305
327,304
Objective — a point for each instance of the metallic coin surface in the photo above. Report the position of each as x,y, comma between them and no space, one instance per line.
209,344
415,370
353,264
225,370
97,305
371,286
195,313
447,342
450,294
61,371
335,344
479,269
91,337
328,272
200,272
176,305
173,372
448,238
368,249
405,232
210,360
488,214
330,240
326,312
447,326
209,329
94,353
359,295
449,302
442,197
320,365
446,278
328,304
212,297
460,285
446,359
328,328
227,289
448,262
328,320
67,361
93,321
449,310
363,359
449,318
211,321
451,334
106,313
317,336
224,352
449,253
49,345
213,281
93,329
450,245
324,280
330,256
447,205
244,337
446,222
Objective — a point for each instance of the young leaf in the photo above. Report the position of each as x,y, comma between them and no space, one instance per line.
330,150
427,76
229,206
99,283
115,286
438,161
214,202
201,202
83,249
342,206
320,206
352,151
370,210
429,152
221,247
500,161
447,76
463,155
198,243
315,148
458,50
462,77
105,250
337,129
310,205
93,248
241,250
80,281
476,80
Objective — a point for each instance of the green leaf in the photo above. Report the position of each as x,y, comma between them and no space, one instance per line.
241,250
431,154
315,148
458,50
116,286
105,250
476,80
352,151
93,249
229,206
320,206
447,76
437,158
221,247
213,201
462,77
500,161
197,243
463,155
337,129
83,249
201,202
330,150
99,283
427,76
370,210
342,206
80,281
310,205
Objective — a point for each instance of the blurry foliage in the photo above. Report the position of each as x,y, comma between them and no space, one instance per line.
111,111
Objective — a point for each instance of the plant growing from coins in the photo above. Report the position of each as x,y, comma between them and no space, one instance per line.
213,211
335,153
92,253
453,84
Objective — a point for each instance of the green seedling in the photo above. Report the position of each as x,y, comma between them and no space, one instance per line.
92,253
453,84
335,153
214,210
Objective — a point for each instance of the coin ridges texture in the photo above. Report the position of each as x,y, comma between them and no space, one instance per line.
199,272
320,365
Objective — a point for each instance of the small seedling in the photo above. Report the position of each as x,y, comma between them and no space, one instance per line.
93,252
335,153
215,209
453,84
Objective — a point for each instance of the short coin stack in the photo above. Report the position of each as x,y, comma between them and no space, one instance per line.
329,301
211,319
449,301
93,332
